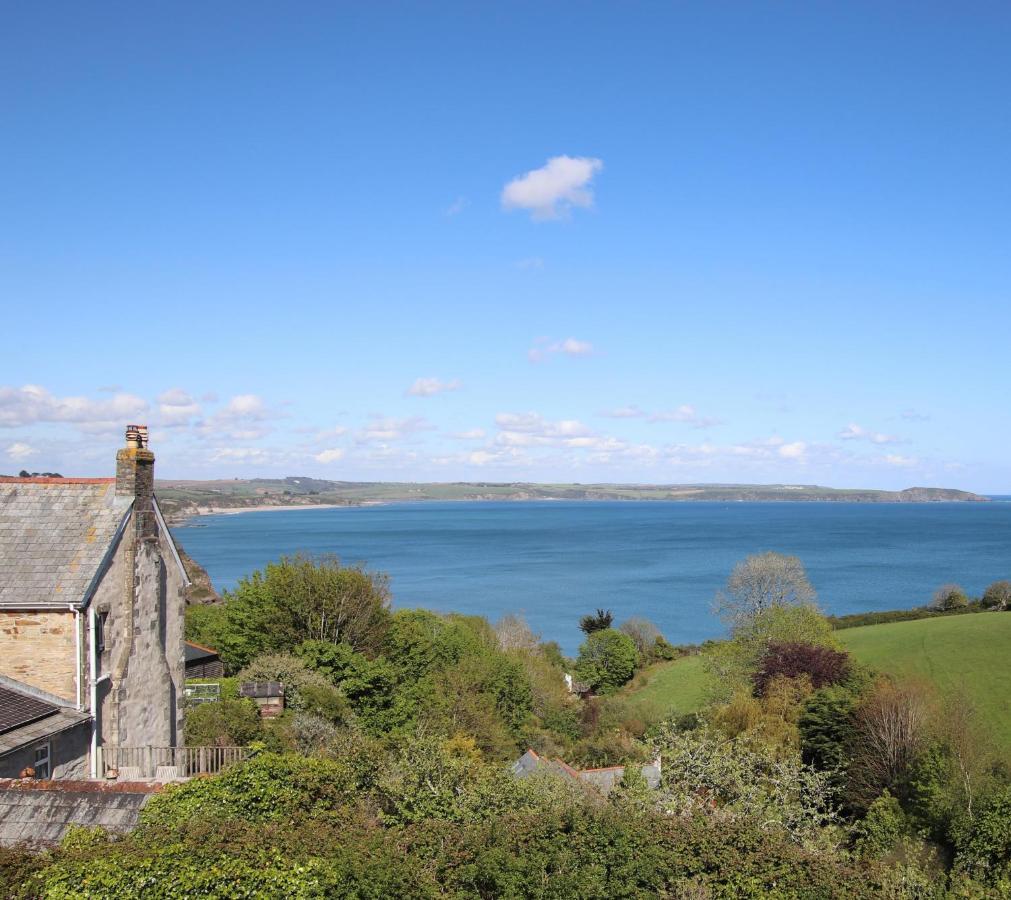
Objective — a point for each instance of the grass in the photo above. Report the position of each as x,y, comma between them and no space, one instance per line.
960,654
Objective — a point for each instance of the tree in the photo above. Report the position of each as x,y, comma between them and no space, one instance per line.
644,635
228,722
299,599
823,665
998,595
948,597
606,660
596,622
514,633
891,729
761,582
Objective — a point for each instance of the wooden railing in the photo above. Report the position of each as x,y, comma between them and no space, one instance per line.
167,762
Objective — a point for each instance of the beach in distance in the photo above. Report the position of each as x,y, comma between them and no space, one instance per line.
556,560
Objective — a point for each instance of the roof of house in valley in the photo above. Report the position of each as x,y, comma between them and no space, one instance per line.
55,536
604,779
29,715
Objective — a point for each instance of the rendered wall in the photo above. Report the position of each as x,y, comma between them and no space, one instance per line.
68,755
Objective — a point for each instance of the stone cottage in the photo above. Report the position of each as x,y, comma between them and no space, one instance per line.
91,619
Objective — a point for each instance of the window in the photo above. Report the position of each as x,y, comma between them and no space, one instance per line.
42,766
100,632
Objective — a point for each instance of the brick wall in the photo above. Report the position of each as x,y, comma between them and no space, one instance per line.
38,649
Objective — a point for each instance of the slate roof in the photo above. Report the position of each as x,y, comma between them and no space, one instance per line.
54,537
197,652
40,813
17,709
29,715
603,779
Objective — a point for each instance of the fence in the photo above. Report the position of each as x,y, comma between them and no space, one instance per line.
174,762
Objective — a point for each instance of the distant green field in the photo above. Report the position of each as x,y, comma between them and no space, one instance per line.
961,652
970,653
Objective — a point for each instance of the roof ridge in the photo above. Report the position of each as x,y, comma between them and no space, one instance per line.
13,479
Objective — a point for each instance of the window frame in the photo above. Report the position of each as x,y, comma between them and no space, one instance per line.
45,748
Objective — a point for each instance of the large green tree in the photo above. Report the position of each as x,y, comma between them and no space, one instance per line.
607,659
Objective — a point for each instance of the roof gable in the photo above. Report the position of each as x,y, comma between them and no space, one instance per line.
55,534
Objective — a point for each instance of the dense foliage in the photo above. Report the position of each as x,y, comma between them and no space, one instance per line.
822,665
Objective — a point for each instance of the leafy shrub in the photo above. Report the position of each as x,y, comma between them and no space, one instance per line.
292,672
881,830
823,665
949,597
983,841
998,595
607,659
598,621
225,723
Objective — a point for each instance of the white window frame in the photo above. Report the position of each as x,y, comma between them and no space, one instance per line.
46,749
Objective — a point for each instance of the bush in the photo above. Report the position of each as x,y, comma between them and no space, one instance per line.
998,595
882,829
223,723
983,842
292,672
949,597
823,665
606,660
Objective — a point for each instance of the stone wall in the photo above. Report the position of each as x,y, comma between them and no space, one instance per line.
37,648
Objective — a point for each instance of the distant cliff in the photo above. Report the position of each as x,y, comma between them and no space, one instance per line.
181,499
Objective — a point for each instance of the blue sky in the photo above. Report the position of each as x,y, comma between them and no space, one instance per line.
649,242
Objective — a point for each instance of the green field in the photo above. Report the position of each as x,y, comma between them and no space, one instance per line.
970,653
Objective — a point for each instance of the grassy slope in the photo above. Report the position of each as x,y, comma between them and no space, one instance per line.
971,652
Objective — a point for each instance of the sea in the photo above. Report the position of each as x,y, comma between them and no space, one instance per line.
554,561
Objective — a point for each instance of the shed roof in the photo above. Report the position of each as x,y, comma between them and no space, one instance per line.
29,715
55,534
197,652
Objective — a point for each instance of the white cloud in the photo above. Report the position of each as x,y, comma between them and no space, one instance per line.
384,429
240,455
854,432
456,207
31,403
911,415
429,387
685,413
570,346
894,459
244,406
624,412
331,455
176,407
474,434
795,450
19,451
549,192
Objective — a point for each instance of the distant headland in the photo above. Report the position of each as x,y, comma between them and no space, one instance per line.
181,499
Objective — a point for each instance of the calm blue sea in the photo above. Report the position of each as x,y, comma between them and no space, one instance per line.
556,560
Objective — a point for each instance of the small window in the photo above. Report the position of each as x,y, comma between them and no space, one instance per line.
42,766
100,632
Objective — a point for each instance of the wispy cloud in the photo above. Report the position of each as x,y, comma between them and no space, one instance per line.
624,412
854,432
386,429
19,451
331,455
529,262
429,387
687,414
895,459
474,434
551,191
32,404
545,348
176,407
456,207
911,415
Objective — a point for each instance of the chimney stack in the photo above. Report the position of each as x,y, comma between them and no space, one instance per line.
135,478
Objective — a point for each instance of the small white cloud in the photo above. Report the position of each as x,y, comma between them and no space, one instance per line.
20,450
894,459
685,413
793,451
854,432
176,407
474,434
32,403
624,412
429,387
456,207
549,192
570,346
331,455
384,429
240,455
244,406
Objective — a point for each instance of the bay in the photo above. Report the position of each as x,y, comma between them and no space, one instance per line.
554,561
